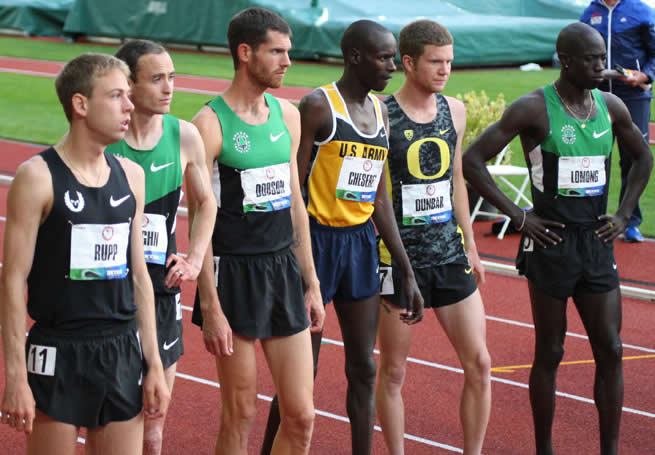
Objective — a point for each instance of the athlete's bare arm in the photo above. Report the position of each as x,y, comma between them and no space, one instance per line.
302,240
217,334
385,222
315,125
528,118
29,202
633,143
460,193
156,395
192,155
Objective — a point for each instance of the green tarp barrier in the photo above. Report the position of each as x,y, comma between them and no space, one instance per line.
486,32
35,17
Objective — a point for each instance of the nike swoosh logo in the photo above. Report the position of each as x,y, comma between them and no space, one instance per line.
601,134
116,202
442,132
154,168
468,271
275,138
168,346
614,266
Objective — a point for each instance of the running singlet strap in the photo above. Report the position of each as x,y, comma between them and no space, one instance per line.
346,167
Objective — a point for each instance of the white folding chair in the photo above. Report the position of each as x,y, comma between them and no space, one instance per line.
501,172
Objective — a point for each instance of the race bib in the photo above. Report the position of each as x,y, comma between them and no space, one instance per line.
155,238
99,252
178,307
426,203
41,360
358,179
386,281
266,189
581,176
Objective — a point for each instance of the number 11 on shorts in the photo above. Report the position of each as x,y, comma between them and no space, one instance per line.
41,360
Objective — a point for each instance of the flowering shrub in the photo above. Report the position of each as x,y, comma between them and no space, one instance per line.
480,113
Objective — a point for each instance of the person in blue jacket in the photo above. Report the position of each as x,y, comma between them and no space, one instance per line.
628,29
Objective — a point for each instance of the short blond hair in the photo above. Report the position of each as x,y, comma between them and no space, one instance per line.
80,74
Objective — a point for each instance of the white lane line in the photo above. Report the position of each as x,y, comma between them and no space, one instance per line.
329,415
571,334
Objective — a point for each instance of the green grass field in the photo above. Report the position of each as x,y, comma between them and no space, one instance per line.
26,98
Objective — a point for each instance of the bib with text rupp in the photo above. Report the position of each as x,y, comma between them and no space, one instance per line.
358,179
155,238
581,176
99,252
266,189
426,203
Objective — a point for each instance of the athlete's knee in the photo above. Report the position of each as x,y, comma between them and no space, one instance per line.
392,376
153,436
362,371
610,353
299,423
238,415
477,370
548,355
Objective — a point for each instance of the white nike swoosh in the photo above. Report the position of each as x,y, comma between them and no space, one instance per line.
168,346
116,202
602,133
275,138
614,265
154,168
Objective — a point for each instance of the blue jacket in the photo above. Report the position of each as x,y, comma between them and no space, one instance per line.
629,30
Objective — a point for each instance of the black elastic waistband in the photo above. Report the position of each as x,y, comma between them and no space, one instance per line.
97,330
314,224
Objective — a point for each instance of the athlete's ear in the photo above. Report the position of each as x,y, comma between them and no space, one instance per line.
408,63
354,56
244,51
564,59
79,104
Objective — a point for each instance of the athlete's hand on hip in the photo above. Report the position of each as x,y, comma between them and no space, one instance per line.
217,334
539,229
180,270
18,406
156,395
414,313
315,308
613,227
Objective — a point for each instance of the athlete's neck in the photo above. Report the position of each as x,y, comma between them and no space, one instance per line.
85,159
247,101
420,106
145,130
352,91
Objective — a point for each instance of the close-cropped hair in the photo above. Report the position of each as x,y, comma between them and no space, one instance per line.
80,74
131,51
416,35
251,27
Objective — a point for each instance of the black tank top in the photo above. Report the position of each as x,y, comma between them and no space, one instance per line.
420,173
80,278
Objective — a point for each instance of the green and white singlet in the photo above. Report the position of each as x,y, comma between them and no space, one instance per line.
570,170
163,174
252,183
420,182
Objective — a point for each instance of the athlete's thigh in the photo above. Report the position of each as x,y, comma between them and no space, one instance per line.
116,438
601,315
394,336
51,437
359,323
464,325
548,315
237,373
292,367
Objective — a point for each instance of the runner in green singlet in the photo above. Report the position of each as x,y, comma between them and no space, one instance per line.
566,131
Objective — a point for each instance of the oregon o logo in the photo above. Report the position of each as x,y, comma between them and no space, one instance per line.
414,161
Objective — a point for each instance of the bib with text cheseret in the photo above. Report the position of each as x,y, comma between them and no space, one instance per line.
358,179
